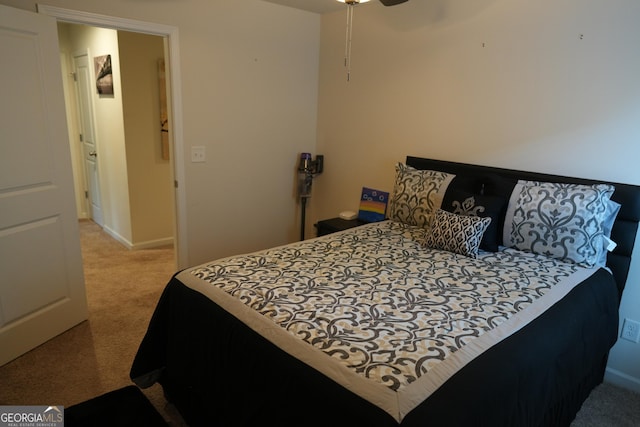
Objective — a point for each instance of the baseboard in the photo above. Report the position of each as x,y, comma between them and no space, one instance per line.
118,237
621,379
150,244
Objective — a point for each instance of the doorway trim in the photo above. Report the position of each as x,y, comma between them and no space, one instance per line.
172,46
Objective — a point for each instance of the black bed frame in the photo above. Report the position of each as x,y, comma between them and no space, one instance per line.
206,360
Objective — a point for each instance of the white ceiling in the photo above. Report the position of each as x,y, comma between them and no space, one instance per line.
317,6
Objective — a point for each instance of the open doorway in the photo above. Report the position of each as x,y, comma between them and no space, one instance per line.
169,35
118,138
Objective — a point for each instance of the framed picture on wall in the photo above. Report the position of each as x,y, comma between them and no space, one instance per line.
104,76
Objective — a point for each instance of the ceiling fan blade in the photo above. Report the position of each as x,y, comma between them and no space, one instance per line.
392,2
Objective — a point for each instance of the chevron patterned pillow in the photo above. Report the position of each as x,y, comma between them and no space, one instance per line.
456,233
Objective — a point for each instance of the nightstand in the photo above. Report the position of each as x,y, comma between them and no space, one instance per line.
328,226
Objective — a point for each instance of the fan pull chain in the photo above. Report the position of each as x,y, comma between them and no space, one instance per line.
347,48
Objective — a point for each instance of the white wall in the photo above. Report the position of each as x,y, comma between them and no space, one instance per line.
149,175
545,86
82,207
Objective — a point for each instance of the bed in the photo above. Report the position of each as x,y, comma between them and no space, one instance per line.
460,309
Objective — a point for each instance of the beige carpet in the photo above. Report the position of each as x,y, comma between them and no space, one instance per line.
609,406
123,288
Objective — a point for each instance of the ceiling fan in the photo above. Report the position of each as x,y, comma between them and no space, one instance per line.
350,4
384,2
392,2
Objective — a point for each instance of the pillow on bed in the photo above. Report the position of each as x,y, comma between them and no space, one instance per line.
417,194
563,221
465,203
498,186
460,234
607,225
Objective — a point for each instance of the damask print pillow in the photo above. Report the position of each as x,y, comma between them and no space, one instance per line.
494,207
563,221
460,234
417,194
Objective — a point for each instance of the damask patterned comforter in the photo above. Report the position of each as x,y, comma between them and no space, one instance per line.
380,314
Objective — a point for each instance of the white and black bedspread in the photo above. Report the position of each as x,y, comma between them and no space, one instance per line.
379,313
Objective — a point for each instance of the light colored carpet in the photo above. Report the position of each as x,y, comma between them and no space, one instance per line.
609,406
123,288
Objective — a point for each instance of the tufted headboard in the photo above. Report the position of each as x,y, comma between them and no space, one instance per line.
482,179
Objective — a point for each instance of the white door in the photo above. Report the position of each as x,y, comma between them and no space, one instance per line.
88,135
41,281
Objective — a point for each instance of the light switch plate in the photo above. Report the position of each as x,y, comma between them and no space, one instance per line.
198,154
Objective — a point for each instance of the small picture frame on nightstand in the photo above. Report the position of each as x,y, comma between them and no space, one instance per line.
373,205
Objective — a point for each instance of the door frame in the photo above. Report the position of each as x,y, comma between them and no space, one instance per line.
174,101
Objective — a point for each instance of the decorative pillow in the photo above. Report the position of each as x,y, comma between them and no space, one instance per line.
417,194
563,221
498,186
460,234
464,203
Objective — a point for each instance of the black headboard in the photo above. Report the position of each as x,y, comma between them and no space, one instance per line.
476,178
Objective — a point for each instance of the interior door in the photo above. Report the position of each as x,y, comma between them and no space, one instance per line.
88,135
42,286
